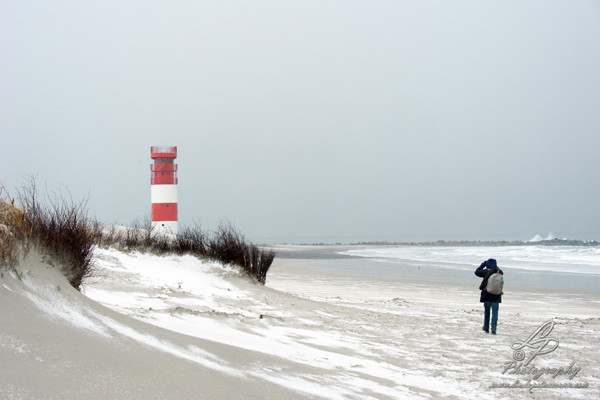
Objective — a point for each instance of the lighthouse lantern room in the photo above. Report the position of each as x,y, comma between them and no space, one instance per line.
163,189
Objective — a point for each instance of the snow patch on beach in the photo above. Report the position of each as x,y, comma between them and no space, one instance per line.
54,304
564,259
191,353
368,339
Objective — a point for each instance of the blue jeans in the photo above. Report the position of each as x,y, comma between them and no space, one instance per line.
486,321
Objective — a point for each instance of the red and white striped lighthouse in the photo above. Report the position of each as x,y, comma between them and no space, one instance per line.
163,189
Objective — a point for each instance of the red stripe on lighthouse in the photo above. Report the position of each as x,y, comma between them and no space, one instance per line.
164,211
163,173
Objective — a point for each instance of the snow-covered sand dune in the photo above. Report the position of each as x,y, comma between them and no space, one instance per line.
57,344
172,327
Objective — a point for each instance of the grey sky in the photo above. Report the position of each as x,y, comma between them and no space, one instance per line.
313,120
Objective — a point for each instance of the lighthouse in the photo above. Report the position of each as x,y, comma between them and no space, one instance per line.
163,189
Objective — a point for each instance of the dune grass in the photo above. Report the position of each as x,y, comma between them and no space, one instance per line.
59,226
225,245
62,229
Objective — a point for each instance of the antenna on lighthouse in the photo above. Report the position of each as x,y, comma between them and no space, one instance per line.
163,189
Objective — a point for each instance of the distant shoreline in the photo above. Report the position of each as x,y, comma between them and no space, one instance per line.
455,243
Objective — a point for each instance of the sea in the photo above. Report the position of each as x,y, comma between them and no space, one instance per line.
535,267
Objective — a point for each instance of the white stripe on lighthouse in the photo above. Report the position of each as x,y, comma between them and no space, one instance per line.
163,193
164,227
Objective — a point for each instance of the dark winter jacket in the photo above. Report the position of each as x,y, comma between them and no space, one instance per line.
484,271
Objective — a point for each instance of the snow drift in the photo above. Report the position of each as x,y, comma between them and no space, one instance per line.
176,327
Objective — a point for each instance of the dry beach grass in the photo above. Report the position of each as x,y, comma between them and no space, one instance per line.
61,228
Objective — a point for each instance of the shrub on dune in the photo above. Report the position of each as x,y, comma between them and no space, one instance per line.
59,227
225,245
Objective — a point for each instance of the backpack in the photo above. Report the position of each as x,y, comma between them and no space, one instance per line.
495,284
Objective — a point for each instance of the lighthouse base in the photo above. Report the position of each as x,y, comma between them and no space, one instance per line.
164,227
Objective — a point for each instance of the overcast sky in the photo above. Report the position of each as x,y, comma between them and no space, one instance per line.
304,121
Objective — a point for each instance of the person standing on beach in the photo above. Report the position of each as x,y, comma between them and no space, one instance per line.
491,302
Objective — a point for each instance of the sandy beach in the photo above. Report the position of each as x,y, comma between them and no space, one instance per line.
149,327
